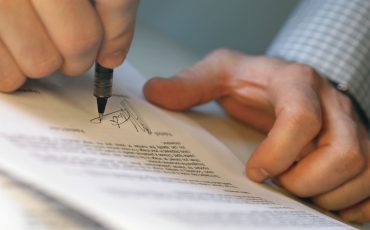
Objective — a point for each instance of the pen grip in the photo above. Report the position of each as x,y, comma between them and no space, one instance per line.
103,81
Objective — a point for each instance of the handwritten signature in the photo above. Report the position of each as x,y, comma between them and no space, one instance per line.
125,114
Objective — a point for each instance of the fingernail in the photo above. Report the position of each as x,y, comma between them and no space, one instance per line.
352,216
113,59
258,174
118,53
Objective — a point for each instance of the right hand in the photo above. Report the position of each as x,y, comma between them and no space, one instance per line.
39,37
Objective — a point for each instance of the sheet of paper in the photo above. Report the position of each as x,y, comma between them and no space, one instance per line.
27,209
139,168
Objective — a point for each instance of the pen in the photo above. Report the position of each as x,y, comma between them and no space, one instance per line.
102,87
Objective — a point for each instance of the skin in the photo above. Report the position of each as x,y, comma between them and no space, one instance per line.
39,37
315,146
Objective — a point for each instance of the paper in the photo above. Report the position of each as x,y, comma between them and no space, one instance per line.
27,209
140,168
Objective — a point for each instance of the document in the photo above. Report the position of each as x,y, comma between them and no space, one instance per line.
140,167
26,208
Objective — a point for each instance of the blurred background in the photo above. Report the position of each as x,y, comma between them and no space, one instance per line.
195,27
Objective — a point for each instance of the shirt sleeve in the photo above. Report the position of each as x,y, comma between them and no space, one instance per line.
333,37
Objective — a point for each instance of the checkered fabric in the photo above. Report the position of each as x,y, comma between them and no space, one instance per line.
333,37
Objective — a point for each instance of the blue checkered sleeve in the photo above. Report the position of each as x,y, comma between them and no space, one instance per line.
333,37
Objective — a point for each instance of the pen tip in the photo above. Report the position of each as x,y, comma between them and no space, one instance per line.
102,102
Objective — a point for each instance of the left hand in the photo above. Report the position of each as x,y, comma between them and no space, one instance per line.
315,146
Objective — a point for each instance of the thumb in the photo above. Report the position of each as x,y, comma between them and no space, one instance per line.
118,19
205,81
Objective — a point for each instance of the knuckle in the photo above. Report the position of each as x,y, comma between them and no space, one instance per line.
310,120
350,160
225,58
42,66
305,72
221,52
226,62
82,42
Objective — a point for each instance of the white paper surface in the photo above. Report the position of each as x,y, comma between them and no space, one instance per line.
24,208
140,168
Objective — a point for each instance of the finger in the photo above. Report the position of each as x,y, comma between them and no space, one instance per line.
260,119
118,18
26,39
205,81
353,191
359,213
337,159
298,121
75,28
346,195
11,77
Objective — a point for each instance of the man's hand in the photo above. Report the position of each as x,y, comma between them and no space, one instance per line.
315,146
38,37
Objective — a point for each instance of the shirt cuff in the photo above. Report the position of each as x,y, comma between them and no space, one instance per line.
333,37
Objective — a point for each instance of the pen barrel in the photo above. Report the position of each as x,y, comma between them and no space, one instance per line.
103,81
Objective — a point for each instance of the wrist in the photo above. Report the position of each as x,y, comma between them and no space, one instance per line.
356,106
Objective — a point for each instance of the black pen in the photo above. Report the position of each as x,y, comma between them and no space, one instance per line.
102,87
